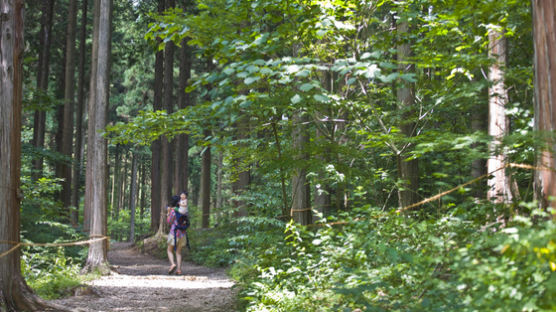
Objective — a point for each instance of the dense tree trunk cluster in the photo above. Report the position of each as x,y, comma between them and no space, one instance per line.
347,114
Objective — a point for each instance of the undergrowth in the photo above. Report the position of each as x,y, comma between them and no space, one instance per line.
51,274
376,261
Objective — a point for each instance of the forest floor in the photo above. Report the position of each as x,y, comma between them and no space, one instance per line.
141,282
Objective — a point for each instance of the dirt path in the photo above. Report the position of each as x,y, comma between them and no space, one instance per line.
142,284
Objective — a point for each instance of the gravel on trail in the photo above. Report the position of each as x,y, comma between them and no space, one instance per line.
141,282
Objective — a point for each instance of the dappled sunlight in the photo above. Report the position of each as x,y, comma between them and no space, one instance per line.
166,282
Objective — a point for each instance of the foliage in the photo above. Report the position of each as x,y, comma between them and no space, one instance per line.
118,229
50,273
379,261
238,241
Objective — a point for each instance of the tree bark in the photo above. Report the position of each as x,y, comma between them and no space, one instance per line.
322,191
166,147
133,197
76,178
408,170
544,28
91,122
39,125
123,184
285,204
97,189
14,292
478,166
115,202
166,154
300,210
69,94
156,195
219,185
142,188
205,184
184,100
498,125
243,180
166,161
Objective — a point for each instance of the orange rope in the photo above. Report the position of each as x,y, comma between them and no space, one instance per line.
19,244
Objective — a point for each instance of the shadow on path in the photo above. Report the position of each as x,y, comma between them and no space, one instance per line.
141,283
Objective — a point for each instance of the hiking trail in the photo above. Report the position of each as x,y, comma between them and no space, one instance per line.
141,283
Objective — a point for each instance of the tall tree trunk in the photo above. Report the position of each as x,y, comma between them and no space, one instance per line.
243,180
142,201
498,125
278,144
91,122
322,191
205,184
408,170
156,195
115,203
113,188
301,210
133,197
123,184
478,166
79,116
184,100
15,295
142,189
544,28
39,123
69,94
96,258
219,185
166,150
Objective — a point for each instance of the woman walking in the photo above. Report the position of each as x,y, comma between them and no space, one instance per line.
177,236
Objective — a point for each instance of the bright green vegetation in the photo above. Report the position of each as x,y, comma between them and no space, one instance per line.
379,261
266,72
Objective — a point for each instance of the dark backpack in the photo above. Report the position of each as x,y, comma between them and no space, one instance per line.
183,224
183,221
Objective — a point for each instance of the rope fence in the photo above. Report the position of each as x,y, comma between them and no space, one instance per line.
439,195
442,194
95,238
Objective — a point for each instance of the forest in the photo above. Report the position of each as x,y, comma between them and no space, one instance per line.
337,155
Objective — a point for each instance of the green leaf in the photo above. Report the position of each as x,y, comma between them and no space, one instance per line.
321,32
296,99
303,73
306,87
366,55
266,71
389,78
410,77
321,98
228,71
251,79
252,69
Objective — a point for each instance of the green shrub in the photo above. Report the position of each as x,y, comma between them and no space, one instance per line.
119,229
50,273
380,261
386,262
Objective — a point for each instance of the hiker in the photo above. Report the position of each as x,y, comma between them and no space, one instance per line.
178,219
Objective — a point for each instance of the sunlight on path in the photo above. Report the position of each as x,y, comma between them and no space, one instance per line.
141,283
156,281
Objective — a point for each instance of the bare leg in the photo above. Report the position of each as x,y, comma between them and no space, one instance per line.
178,258
170,251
